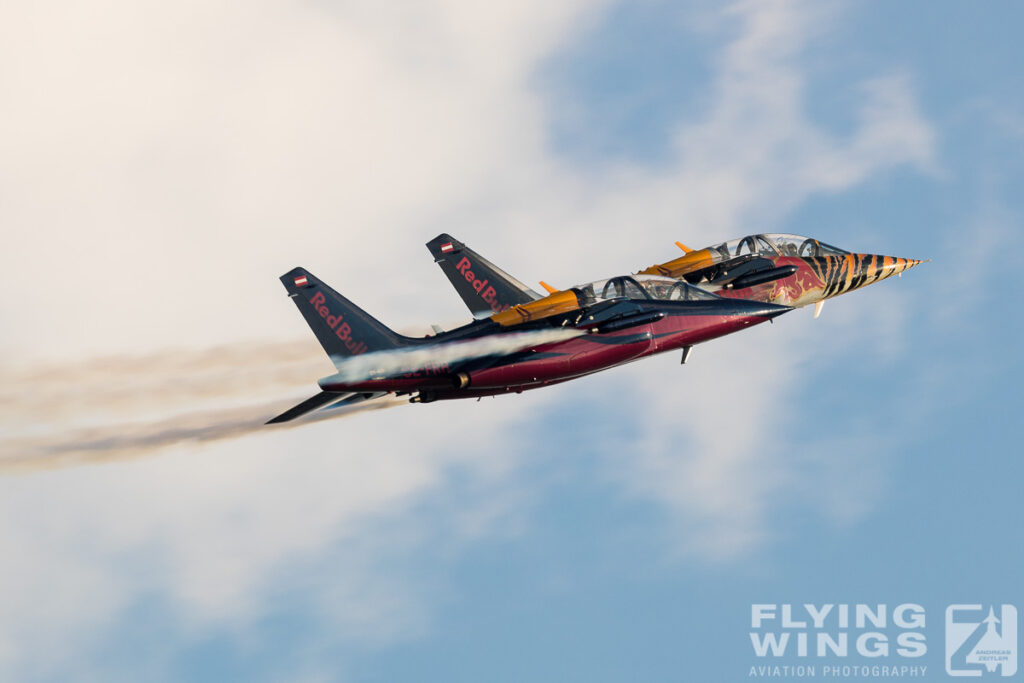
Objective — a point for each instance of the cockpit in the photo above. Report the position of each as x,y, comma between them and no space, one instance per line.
649,287
774,245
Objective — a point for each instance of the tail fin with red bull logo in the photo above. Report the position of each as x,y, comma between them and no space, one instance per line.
484,287
341,327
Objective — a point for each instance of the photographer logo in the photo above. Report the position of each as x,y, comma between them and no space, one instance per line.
981,640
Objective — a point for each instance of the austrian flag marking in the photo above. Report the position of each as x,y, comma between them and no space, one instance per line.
301,281
446,247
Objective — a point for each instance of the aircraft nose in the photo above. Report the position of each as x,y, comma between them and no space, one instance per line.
752,312
887,266
773,310
760,309
871,268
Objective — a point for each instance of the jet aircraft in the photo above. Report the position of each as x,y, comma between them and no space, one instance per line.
529,342
784,269
788,270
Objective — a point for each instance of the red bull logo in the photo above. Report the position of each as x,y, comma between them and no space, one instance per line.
342,329
486,292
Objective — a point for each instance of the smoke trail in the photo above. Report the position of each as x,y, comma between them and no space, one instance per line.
390,363
121,408
151,385
130,441
117,408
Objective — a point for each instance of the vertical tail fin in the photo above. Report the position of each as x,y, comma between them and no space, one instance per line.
484,287
341,327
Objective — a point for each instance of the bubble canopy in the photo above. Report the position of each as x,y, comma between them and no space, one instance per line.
774,244
644,287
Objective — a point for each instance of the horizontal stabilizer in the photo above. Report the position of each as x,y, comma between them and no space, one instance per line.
354,399
307,406
325,401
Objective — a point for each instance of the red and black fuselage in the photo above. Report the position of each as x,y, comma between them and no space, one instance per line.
610,332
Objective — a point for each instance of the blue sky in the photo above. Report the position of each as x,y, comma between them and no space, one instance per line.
616,528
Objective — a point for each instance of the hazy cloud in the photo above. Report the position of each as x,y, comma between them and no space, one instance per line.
161,164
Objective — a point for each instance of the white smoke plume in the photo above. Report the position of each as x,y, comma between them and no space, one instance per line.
117,408
128,441
399,361
151,385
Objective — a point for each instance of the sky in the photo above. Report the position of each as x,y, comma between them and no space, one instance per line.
162,164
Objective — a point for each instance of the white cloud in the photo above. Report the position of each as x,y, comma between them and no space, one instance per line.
162,163
212,530
708,452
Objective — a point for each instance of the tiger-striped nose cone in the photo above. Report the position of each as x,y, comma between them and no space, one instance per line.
881,267
854,271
